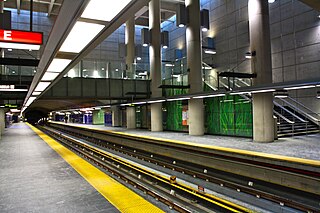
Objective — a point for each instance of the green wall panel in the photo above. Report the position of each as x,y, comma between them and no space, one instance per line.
98,117
229,115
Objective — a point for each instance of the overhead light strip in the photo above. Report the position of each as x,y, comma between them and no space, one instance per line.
42,86
104,10
7,45
81,34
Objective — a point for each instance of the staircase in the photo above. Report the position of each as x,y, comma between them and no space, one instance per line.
292,123
293,118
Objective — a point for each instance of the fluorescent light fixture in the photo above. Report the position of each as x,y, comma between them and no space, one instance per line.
169,65
207,68
125,104
300,87
42,86
165,47
156,101
264,90
204,29
7,45
181,25
239,93
209,51
271,1
13,90
9,50
14,110
49,76
139,58
81,34
97,108
145,45
58,65
104,10
36,93
250,55
30,100
178,99
137,103
209,96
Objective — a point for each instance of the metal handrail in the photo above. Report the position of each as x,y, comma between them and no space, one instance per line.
300,111
294,115
284,118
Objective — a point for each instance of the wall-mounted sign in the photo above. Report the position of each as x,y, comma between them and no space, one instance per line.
16,39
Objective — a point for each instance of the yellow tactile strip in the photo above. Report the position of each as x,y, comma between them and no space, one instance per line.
117,194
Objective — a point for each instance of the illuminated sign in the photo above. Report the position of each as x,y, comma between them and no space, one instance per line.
16,39
22,37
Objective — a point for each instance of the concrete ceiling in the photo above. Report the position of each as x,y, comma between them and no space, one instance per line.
51,7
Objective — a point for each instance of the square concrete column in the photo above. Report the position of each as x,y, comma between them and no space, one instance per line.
115,116
130,45
131,117
263,123
155,64
194,62
2,121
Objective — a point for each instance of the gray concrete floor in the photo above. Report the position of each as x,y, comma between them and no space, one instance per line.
307,147
34,178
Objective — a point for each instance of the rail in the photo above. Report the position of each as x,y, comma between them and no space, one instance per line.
300,174
301,111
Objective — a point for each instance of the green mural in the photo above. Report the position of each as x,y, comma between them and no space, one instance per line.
98,117
229,115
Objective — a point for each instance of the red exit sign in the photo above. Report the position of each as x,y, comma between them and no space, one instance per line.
22,37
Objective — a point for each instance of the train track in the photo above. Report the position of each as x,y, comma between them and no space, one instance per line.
166,190
306,203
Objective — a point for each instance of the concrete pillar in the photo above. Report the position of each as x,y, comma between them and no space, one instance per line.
263,123
155,64
2,121
115,116
1,6
194,63
130,45
131,117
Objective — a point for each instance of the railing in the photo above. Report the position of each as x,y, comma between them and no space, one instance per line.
302,109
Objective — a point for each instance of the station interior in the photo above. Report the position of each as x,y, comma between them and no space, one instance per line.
160,106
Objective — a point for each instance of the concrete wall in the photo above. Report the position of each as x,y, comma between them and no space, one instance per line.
295,41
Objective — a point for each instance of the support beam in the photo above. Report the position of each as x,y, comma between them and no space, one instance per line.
263,123
155,64
18,6
130,45
131,117
50,7
194,62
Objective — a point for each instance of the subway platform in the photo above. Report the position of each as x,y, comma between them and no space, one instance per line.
40,175
306,147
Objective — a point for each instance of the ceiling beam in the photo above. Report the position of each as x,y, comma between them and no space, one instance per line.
50,7
18,6
67,17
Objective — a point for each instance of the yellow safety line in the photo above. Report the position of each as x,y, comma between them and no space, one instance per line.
230,150
180,185
118,195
